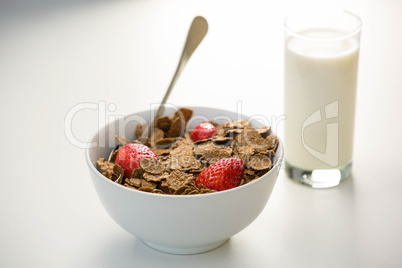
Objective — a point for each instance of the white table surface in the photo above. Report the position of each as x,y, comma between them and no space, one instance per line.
55,55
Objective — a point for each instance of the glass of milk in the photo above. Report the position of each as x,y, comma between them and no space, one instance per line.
321,60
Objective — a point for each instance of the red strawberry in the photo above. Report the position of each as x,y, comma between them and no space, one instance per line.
203,131
222,175
129,156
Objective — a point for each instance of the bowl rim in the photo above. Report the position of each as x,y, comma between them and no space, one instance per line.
277,165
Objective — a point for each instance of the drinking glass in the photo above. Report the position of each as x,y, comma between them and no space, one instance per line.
321,65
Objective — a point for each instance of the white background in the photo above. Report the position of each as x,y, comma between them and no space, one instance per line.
57,54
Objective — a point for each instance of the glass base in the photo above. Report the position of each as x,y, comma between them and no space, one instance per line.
319,178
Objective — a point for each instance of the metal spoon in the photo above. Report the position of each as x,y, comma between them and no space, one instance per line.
196,33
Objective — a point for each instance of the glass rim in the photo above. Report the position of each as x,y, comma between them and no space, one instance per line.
345,36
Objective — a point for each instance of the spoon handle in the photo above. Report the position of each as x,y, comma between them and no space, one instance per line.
196,33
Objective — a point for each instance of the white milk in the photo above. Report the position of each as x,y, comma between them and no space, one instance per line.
317,76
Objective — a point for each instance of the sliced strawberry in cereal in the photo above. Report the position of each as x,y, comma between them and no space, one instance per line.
224,174
203,131
129,157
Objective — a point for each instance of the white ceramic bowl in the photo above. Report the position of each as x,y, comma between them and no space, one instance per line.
179,224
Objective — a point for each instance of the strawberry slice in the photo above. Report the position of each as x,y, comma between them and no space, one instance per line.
129,156
224,174
203,131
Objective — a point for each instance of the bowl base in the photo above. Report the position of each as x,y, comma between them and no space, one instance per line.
191,250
